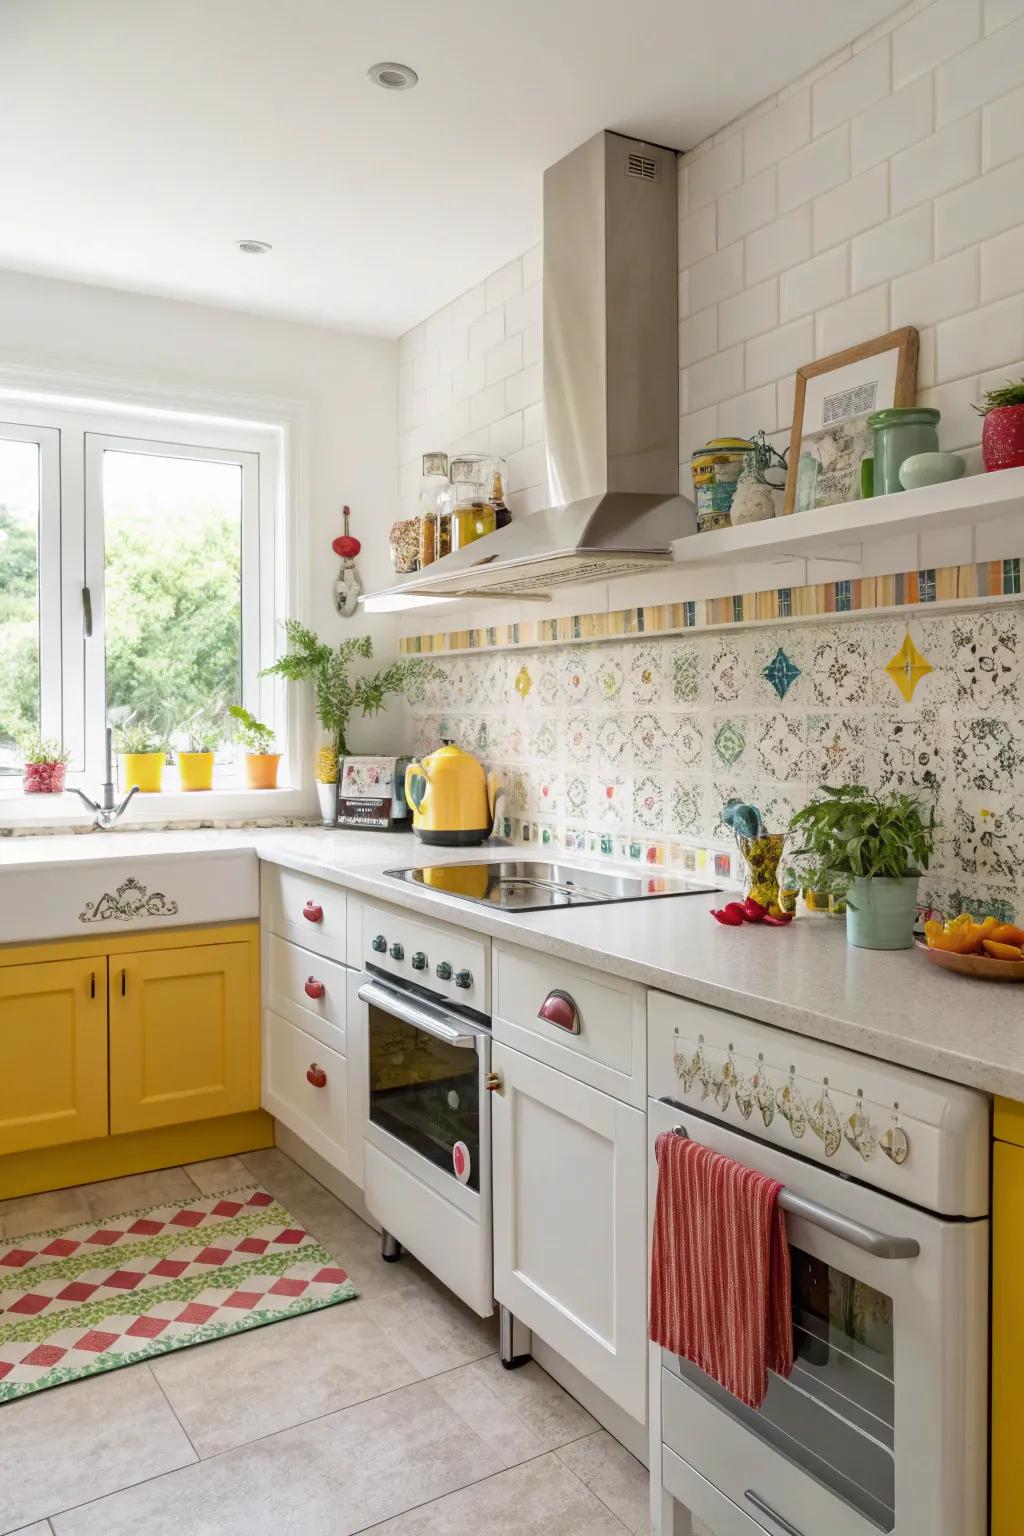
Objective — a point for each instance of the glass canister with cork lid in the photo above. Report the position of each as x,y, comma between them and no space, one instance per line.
475,478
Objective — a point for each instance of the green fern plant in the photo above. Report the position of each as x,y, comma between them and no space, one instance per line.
1010,393
335,691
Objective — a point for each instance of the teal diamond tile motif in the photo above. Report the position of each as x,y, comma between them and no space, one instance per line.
729,743
781,672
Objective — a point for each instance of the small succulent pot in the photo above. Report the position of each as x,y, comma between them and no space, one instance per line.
44,778
195,770
763,855
143,771
1002,438
261,770
880,913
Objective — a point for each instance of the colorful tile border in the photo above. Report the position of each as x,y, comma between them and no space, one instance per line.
908,589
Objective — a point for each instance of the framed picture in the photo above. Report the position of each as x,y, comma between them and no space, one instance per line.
834,398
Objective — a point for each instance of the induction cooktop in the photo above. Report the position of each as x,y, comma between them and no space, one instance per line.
536,885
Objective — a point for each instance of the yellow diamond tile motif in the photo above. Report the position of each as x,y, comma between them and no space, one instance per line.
908,667
523,683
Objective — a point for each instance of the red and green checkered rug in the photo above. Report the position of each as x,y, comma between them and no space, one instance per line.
75,1301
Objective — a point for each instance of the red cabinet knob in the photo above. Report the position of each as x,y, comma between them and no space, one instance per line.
314,988
316,1075
312,913
559,1008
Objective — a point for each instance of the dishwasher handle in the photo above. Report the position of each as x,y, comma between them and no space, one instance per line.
880,1244
429,1017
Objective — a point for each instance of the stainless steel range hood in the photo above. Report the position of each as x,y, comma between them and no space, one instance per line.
611,385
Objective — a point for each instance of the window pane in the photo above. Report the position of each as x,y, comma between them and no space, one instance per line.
173,552
19,595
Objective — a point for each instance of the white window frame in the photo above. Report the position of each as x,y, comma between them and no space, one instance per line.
49,604
76,431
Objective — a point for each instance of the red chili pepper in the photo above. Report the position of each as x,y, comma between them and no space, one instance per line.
753,911
782,921
728,917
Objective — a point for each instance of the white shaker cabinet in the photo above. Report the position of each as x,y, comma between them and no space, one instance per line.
569,1173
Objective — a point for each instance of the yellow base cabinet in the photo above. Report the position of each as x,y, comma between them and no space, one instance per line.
53,1053
183,1042
116,1039
1007,1318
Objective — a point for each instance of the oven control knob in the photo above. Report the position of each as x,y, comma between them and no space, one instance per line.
379,944
443,971
419,961
397,951
464,979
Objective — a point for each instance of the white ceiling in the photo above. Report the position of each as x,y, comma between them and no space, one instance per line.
141,138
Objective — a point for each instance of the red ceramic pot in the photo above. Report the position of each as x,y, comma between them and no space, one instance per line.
44,778
1002,437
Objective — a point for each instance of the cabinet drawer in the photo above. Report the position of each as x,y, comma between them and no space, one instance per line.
307,911
319,1115
609,1051
290,971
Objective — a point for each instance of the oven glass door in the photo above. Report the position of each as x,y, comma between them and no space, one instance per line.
425,1091
834,1416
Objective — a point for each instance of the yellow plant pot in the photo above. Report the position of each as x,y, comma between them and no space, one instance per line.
195,770
261,770
144,770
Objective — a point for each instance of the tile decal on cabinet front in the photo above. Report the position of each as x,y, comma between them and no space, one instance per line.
629,748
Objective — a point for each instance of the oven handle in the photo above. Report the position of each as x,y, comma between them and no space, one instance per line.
879,1244
425,1016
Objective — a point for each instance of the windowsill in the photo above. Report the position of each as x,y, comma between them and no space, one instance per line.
66,812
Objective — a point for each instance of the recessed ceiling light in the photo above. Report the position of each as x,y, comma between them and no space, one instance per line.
393,77
254,247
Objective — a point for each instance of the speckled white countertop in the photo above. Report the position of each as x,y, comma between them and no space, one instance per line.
893,1006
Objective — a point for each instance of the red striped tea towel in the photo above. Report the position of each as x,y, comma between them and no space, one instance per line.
720,1282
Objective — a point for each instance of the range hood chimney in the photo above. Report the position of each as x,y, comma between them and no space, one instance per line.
611,385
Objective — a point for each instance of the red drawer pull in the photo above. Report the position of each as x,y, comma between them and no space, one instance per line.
312,913
314,988
316,1075
559,1008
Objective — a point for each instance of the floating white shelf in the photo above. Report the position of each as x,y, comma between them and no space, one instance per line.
830,531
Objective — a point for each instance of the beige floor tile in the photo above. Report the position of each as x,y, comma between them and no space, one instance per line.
618,1479
519,1414
36,1213
435,1330
136,1190
81,1441
539,1498
219,1173
537,1399
254,1384
336,1476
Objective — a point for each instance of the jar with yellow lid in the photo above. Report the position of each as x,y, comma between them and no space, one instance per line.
716,468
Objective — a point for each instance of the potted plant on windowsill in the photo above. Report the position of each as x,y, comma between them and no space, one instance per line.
143,752
45,765
879,846
1002,437
261,762
202,735
337,694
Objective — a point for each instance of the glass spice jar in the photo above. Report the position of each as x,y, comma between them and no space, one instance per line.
433,489
404,539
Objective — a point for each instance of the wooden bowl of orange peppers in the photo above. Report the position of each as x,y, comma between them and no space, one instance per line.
989,948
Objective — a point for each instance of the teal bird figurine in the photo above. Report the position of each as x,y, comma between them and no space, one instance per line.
745,820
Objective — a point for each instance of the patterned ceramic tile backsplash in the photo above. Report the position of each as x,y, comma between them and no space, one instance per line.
632,747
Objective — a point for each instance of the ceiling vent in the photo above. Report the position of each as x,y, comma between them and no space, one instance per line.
253,247
643,166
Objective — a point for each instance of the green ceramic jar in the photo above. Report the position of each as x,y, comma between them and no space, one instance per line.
899,433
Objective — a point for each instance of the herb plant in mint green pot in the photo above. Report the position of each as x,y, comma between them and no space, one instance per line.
879,846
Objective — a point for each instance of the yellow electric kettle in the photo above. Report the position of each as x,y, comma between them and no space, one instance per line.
451,796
